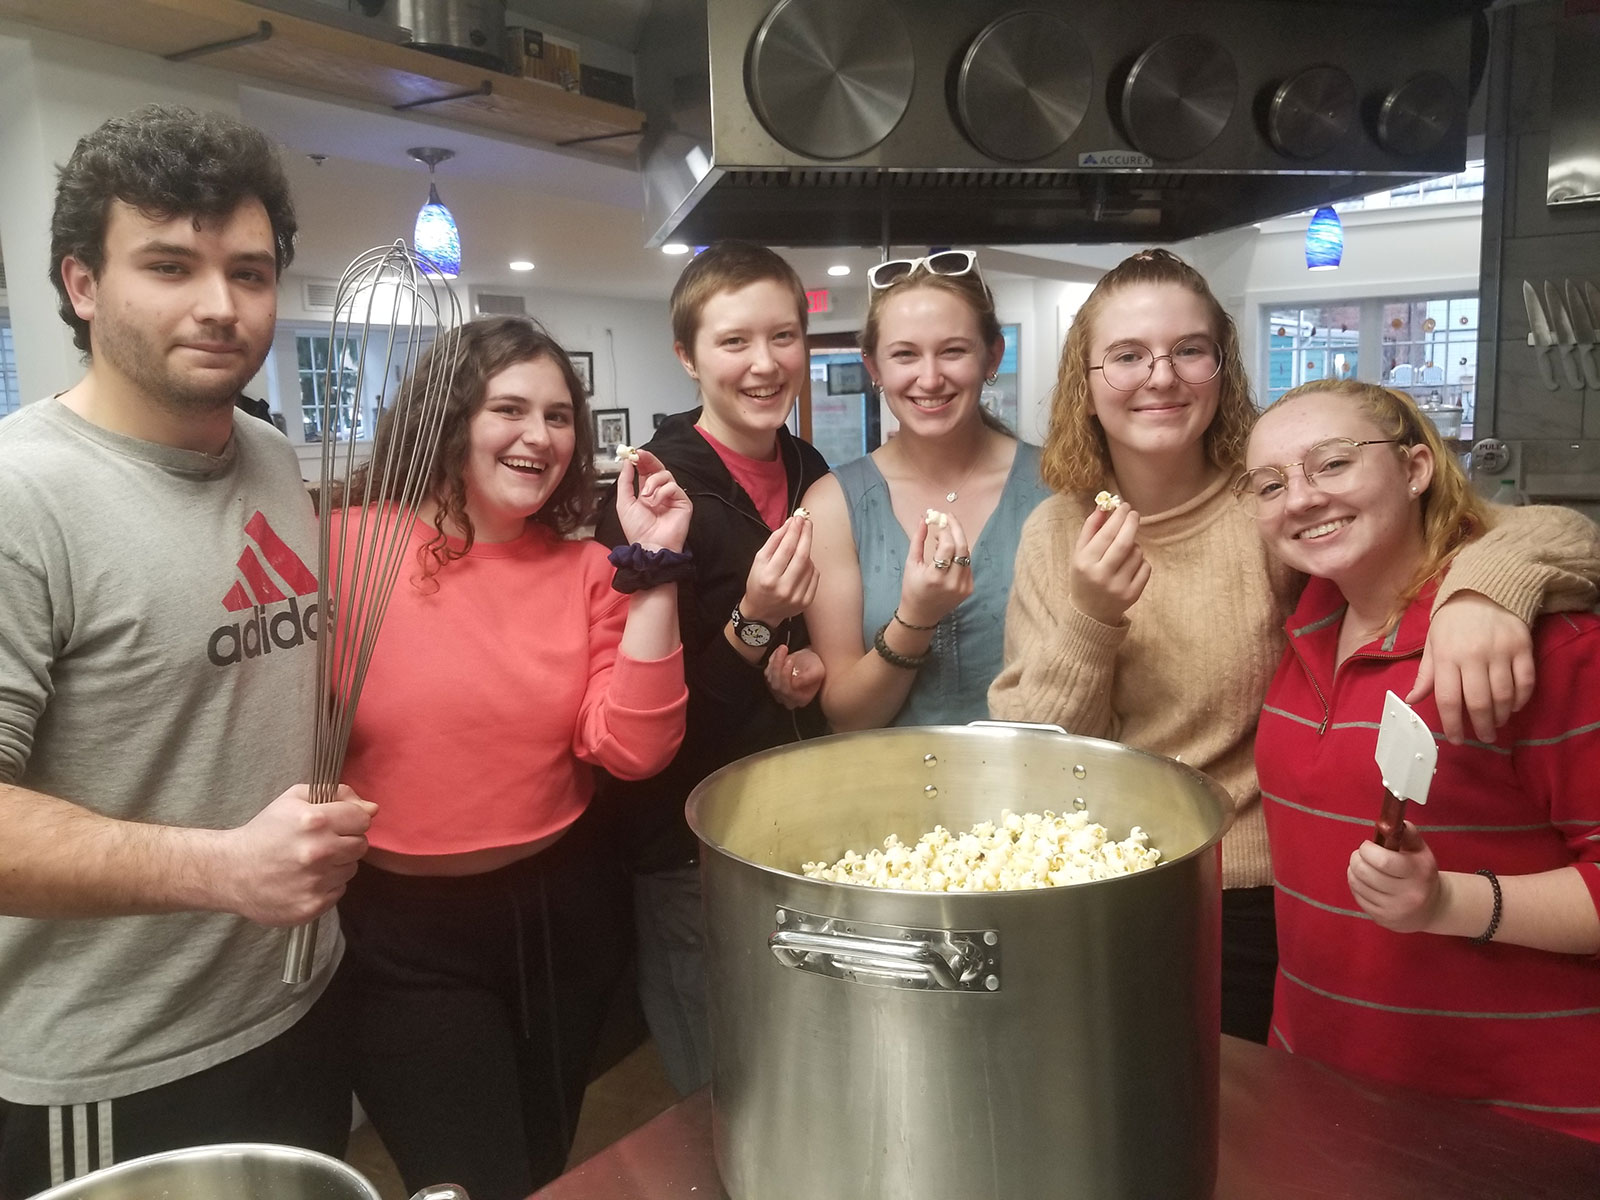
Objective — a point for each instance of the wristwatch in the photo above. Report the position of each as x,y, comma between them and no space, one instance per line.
751,632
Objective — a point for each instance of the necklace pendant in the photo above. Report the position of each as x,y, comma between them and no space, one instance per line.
950,496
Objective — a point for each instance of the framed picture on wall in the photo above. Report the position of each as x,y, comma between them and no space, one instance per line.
583,364
610,431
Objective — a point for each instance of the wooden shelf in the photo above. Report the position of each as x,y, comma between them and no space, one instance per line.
339,63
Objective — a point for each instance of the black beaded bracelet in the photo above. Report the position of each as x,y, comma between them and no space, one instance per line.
899,620
1494,918
638,568
906,662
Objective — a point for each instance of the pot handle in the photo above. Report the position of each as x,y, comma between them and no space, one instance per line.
793,948
1034,725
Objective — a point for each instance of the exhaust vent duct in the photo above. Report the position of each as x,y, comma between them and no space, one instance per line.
824,122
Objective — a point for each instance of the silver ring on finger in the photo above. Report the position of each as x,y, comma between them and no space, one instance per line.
962,560
941,564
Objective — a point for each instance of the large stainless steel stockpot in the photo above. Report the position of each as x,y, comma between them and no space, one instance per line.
232,1171
1054,1044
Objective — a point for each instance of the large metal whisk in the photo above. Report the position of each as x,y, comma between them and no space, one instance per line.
366,509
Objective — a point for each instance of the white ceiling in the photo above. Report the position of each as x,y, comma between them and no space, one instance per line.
577,217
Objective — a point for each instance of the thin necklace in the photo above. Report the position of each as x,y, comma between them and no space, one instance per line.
953,493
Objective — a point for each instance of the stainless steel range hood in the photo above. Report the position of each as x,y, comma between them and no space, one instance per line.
860,122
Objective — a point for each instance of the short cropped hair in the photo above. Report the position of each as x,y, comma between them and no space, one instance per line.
166,162
727,266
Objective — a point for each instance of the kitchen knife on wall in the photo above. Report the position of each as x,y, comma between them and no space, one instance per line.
1566,339
1583,320
1407,756
1540,336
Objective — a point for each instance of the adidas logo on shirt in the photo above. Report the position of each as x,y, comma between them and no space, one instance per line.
260,585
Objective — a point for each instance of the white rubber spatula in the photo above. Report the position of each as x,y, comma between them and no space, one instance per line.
1407,756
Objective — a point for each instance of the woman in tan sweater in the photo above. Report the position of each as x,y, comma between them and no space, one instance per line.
1159,623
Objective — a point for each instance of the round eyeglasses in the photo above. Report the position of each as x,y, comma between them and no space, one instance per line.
1128,367
1329,466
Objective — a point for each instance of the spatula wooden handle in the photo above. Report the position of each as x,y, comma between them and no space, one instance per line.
1390,827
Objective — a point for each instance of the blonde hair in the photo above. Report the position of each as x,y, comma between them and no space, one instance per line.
969,288
1077,457
1452,513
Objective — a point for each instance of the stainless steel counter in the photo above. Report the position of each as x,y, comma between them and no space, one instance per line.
1290,1128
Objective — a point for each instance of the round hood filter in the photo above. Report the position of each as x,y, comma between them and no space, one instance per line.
1024,86
830,78
1179,96
1311,112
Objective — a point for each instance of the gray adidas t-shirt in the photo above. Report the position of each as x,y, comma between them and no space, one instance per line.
157,663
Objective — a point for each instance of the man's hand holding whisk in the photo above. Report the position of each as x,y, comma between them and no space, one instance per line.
289,864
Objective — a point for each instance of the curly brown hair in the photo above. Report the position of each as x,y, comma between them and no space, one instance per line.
166,162
1452,513
471,356
1076,455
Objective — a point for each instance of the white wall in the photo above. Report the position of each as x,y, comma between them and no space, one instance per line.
631,340
53,90
1390,251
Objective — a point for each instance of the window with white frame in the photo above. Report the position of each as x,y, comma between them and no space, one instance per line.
312,357
10,395
1424,345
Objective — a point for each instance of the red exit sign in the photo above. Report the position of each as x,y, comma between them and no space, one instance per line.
818,301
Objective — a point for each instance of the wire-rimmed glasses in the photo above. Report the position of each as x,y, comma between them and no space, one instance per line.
1329,466
945,262
1128,367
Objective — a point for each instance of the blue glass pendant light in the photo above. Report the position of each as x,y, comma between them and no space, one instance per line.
436,240
1324,240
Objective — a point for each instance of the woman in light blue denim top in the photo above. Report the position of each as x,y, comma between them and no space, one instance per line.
915,543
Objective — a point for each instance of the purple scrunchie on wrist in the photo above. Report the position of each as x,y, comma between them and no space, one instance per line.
638,568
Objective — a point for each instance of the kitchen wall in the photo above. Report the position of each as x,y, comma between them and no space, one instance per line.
1554,434
631,340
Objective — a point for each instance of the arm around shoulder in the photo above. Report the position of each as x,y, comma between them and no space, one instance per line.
1542,558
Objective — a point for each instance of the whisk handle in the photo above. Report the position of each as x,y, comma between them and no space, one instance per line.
301,952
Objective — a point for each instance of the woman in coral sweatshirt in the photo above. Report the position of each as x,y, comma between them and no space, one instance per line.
485,921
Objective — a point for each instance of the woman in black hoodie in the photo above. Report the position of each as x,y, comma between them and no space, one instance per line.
739,325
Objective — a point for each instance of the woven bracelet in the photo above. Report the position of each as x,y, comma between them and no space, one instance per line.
1488,935
638,568
906,662
899,620
1494,917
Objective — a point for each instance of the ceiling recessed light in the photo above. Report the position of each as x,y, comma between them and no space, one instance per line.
674,248
520,264
838,269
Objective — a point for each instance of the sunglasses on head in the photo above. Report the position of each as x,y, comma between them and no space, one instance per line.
946,262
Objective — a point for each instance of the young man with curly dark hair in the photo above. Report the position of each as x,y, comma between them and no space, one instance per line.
157,686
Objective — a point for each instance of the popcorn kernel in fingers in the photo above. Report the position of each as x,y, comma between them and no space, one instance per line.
803,512
934,519
1106,502
627,453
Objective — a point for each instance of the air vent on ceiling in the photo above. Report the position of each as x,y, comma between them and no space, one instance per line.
495,304
320,294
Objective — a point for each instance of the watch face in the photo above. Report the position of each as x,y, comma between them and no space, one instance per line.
754,633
